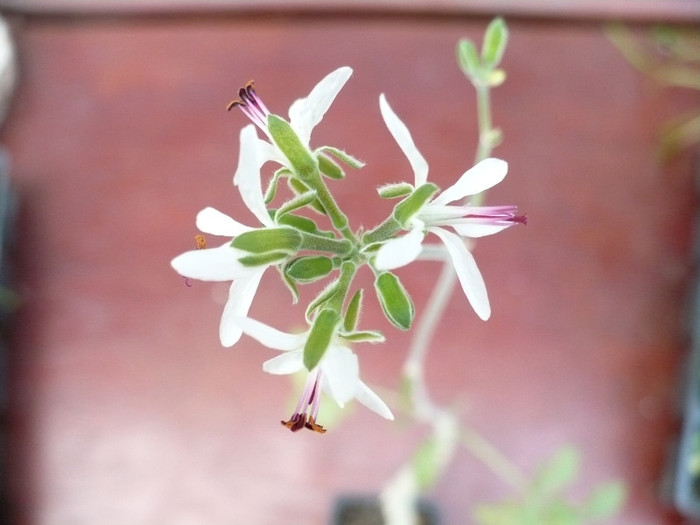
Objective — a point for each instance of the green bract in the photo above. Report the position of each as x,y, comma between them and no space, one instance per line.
266,240
395,301
320,337
291,146
392,191
495,40
412,204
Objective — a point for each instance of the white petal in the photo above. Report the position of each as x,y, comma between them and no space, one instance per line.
399,251
403,138
469,228
210,220
269,336
211,264
483,176
467,272
240,298
367,397
247,176
287,363
341,373
306,113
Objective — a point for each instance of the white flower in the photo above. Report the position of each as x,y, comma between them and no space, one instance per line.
304,113
439,213
337,374
221,263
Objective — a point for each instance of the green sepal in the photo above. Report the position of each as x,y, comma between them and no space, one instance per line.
495,41
264,259
265,240
304,224
299,187
290,145
468,59
329,168
412,204
291,285
352,312
272,187
363,336
309,268
321,299
394,190
395,301
342,156
319,243
301,200
320,337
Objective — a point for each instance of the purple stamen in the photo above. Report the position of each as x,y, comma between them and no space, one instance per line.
251,105
495,214
306,411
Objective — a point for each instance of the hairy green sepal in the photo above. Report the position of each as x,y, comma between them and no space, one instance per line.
265,240
395,301
320,337
309,268
412,204
352,312
289,144
395,190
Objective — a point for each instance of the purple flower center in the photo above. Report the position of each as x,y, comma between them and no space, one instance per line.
251,105
306,412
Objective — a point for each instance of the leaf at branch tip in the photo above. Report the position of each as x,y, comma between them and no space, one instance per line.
495,41
468,59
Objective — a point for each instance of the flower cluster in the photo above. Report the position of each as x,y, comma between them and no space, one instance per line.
301,251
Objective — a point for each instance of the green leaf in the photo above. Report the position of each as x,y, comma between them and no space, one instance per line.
309,268
606,500
495,41
352,311
329,168
320,336
263,259
394,190
288,142
395,301
342,156
468,59
412,204
299,201
266,240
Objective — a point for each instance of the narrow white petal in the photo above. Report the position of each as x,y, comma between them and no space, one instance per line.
269,336
483,176
211,264
403,138
240,298
247,176
212,221
474,229
287,363
467,272
367,397
306,113
399,251
341,373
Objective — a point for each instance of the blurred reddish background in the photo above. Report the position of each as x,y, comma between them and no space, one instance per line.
124,407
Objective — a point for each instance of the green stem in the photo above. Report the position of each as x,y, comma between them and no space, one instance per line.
337,217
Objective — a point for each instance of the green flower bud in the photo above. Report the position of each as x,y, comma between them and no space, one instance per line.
395,301
264,240
392,191
309,268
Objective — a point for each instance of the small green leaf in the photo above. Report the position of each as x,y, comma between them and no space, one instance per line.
606,501
290,145
352,312
320,336
495,41
309,268
412,204
395,301
392,191
329,168
266,240
342,156
263,259
468,59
